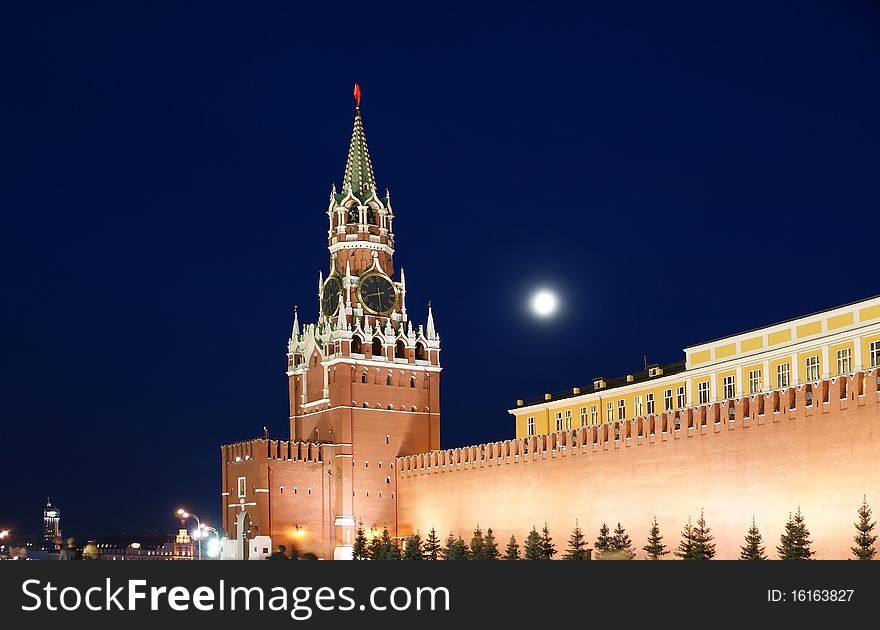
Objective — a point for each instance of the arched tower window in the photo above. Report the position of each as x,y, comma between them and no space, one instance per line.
400,349
388,380
377,346
421,355
364,377
356,344
412,382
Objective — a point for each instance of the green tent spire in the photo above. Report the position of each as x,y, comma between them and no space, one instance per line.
358,167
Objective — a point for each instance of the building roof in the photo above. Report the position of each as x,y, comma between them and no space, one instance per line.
359,174
612,383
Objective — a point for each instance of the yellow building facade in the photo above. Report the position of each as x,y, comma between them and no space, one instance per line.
827,344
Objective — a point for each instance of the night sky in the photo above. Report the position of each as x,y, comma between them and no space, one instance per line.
675,172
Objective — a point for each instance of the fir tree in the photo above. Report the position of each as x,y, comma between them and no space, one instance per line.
533,549
384,548
448,547
512,550
864,539
754,547
704,548
794,543
455,549
685,549
413,548
360,550
655,547
432,546
490,546
622,544
577,545
548,549
477,544
604,542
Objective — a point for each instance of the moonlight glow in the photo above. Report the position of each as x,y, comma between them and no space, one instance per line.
544,303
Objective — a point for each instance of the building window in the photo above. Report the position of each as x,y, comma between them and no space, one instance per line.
568,419
559,421
242,487
530,424
649,403
755,381
609,411
783,375
621,409
637,406
844,361
412,382
363,377
812,371
728,386
594,414
680,398
388,380
667,400
583,416
874,352
703,392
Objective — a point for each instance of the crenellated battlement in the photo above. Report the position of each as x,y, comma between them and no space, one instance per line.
268,449
808,400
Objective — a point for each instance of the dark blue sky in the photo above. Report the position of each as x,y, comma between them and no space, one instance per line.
677,172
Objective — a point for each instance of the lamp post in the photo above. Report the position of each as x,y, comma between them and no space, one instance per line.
206,528
183,514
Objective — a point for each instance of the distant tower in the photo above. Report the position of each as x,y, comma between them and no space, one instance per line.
51,527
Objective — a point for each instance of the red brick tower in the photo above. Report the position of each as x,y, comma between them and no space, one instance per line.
363,382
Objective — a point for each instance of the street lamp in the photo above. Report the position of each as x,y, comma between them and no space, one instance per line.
213,550
183,514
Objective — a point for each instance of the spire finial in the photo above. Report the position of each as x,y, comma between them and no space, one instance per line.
294,333
358,177
430,332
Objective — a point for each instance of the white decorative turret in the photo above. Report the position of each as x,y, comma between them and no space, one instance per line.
341,322
431,334
294,333
402,294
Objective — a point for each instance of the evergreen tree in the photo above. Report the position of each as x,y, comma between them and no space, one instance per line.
432,546
548,549
622,544
533,549
864,539
477,544
448,547
455,549
794,543
490,546
604,542
754,547
685,549
413,548
655,547
384,548
577,545
512,551
360,550
704,548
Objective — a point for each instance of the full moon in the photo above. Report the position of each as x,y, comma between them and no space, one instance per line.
544,303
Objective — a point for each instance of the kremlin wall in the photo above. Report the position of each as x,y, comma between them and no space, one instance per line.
751,426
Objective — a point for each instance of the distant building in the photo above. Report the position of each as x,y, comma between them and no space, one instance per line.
51,527
146,547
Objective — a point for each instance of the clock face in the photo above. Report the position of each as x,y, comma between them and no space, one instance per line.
330,296
377,293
